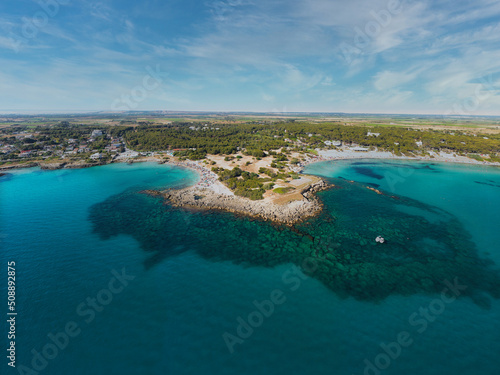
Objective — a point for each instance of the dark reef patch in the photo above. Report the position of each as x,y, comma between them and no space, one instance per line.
363,163
5,176
368,172
487,183
338,246
415,165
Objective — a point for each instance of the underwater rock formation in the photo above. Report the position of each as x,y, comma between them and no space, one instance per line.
425,248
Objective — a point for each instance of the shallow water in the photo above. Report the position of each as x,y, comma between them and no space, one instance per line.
196,273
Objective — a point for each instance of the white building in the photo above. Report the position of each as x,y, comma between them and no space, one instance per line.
128,154
333,143
95,156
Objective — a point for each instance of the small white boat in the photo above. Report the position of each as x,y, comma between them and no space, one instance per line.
380,239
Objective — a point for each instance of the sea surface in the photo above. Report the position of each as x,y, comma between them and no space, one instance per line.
113,281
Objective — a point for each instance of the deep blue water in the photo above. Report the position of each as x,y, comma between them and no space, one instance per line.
197,275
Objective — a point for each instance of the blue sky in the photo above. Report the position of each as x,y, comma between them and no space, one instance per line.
377,56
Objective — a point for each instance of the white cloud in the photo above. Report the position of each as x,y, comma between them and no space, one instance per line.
387,80
268,98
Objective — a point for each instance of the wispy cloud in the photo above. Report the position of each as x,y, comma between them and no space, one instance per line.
387,80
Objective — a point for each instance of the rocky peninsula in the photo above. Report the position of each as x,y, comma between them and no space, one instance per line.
293,211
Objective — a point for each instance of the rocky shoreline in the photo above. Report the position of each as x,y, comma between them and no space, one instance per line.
50,166
206,199
16,166
54,166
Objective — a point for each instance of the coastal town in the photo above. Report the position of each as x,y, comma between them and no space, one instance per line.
96,147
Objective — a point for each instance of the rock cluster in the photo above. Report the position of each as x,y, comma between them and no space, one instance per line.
52,166
17,166
309,191
61,165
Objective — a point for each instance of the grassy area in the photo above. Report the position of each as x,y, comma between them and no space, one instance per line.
475,157
282,190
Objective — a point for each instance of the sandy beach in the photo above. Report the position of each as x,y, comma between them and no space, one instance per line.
325,155
208,179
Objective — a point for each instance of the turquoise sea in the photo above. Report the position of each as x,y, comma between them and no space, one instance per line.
113,281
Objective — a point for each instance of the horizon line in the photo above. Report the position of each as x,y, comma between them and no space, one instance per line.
288,113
